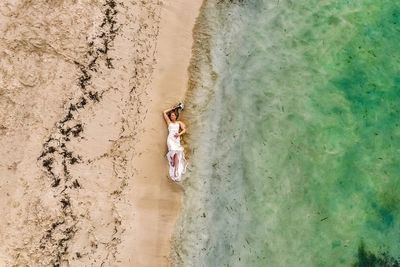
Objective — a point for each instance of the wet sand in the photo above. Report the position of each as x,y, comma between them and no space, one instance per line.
83,174
157,199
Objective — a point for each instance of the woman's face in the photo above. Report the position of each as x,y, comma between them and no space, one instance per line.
173,117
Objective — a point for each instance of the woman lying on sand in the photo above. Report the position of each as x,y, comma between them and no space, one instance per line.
175,155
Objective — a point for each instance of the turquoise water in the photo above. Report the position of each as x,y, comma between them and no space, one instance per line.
295,137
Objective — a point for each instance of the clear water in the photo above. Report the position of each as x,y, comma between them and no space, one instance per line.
295,139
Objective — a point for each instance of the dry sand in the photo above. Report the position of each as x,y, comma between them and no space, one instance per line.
83,174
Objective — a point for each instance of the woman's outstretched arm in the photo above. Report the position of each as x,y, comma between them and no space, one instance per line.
167,120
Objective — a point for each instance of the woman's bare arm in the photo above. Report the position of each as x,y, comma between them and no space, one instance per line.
183,126
167,120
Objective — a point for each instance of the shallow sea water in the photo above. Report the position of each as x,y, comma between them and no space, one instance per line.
296,136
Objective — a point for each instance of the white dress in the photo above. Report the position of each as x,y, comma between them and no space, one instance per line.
175,147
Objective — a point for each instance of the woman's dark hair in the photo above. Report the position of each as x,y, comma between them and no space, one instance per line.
176,112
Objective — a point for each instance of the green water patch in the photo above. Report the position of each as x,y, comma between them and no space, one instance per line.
335,139
307,164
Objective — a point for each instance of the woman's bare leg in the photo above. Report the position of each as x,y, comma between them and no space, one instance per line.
176,164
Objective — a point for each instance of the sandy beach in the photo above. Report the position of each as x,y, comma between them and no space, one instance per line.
155,197
83,174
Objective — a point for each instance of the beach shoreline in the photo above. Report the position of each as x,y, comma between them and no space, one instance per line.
156,199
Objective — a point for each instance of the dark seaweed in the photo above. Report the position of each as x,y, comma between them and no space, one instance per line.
369,259
57,153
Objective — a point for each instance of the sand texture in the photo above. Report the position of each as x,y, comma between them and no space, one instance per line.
156,198
82,170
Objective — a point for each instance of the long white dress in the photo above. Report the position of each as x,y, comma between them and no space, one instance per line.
175,147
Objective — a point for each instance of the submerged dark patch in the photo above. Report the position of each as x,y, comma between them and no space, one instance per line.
368,259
